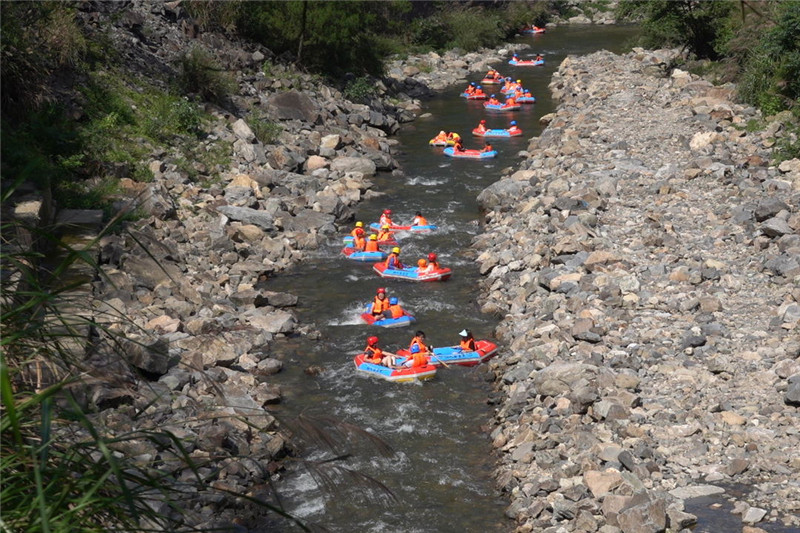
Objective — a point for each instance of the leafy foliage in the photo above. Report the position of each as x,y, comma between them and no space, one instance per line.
200,74
771,61
38,38
693,24
360,89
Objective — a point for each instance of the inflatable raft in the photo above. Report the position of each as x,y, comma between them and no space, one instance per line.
364,257
492,81
411,274
397,375
526,100
454,355
348,241
496,133
501,107
438,142
469,154
416,229
534,30
384,322
482,96
526,62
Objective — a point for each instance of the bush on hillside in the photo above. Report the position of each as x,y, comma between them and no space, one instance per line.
771,63
695,25
473,29
200,74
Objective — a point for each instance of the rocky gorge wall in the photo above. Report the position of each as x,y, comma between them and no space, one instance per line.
645,261
186,320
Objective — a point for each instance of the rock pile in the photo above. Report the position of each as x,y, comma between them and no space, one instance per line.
645,261
181,293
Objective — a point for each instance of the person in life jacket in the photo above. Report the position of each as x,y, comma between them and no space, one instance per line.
470,88
375,355
380,304
418,344
419,220
493,100
385,233
491,74
393,261
359,225
513,128
433,262
481,126
360,241
478,91
386,218
453,137
467,341
510,101
458,146
372,244
514,57
487,148
395,309
423,267
440,138
539,57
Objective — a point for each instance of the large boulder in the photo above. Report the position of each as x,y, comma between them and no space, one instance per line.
347,164
292,105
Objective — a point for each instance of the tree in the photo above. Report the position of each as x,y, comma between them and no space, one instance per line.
694,24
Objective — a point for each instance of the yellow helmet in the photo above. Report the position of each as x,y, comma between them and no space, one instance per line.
395,250
385,226
359,224
373,237
422,263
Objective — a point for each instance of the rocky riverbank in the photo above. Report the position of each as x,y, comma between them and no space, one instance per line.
645,261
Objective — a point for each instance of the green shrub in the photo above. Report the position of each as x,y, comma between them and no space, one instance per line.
265,130
473,29
200,74
359,89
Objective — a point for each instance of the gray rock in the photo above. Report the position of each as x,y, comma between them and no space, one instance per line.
260,218
354,164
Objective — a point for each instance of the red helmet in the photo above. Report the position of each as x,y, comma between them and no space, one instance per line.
381,290
431,256
359,231
483,122
372,341
387,211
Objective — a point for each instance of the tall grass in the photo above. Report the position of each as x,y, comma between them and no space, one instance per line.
65,465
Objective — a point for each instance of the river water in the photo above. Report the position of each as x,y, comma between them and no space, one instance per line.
441,471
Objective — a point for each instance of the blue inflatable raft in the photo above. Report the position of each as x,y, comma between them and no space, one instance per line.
469,154
364,257
384,322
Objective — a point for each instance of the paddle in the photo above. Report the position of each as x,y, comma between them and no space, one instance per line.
434,357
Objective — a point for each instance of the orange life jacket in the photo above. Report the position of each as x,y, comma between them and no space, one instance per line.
385,235
373,354
478,91
371,246
360,242
416,341
419,221
385,220
396,311
379,306
433,265
393,261
355,230
418,359
468,345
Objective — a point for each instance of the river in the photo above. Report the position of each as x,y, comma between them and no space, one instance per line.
441,472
